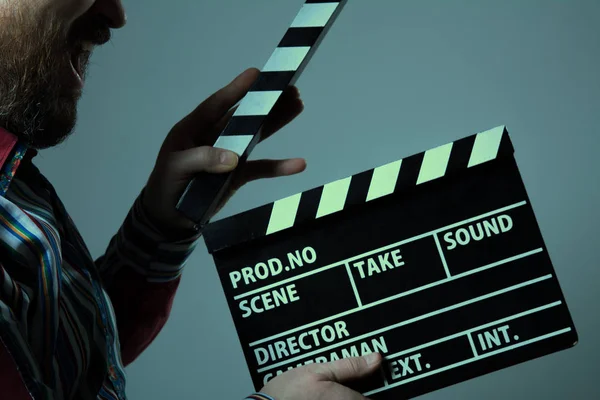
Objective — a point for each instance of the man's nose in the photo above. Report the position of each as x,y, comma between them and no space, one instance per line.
113,10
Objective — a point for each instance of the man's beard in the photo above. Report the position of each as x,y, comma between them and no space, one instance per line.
38,97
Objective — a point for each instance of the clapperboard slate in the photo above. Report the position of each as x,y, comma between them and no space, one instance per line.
436,261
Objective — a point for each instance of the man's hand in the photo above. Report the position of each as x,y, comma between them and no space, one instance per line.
188,150
323,381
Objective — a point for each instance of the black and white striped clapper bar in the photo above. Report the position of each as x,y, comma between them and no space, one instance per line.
242,133
436,261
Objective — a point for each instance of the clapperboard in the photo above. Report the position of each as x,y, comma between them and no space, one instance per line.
436,261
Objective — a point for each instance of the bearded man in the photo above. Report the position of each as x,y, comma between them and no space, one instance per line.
70,324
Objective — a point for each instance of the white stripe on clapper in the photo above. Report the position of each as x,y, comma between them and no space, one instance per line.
286,59
384,180
236,143
434,163
284,213
258,103
314,15
486,146
333,197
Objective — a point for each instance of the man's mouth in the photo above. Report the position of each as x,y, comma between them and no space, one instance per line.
79,56
84,35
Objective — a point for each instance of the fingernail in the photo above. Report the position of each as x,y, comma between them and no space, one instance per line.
372,358
228,158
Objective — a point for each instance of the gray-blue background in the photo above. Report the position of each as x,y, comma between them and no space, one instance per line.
392,78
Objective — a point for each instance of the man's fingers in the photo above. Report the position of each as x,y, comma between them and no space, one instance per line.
288,107
211,110
348,369
211,117
261,169
212,134
204,159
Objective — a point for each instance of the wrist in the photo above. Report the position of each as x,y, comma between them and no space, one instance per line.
171,226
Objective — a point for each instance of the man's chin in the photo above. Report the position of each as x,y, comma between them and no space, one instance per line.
55,129
47,143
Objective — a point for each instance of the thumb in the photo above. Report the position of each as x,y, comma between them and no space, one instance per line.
204,159
348,369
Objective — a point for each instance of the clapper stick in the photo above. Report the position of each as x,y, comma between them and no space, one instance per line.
243,132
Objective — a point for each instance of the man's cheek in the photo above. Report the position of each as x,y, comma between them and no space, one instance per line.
67,11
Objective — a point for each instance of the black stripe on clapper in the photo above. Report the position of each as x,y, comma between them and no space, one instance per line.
460,155
245,125
409,172
506,146
276,80
359,188
239,228
309,203
298,37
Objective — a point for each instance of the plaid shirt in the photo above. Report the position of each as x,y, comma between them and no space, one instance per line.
69,324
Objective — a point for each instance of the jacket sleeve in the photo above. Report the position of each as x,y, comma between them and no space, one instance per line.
141,270
11,381
15,359
259,396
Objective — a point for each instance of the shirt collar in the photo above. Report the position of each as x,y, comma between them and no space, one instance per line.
12,154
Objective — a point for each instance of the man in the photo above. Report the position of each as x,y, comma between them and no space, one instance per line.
68,323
